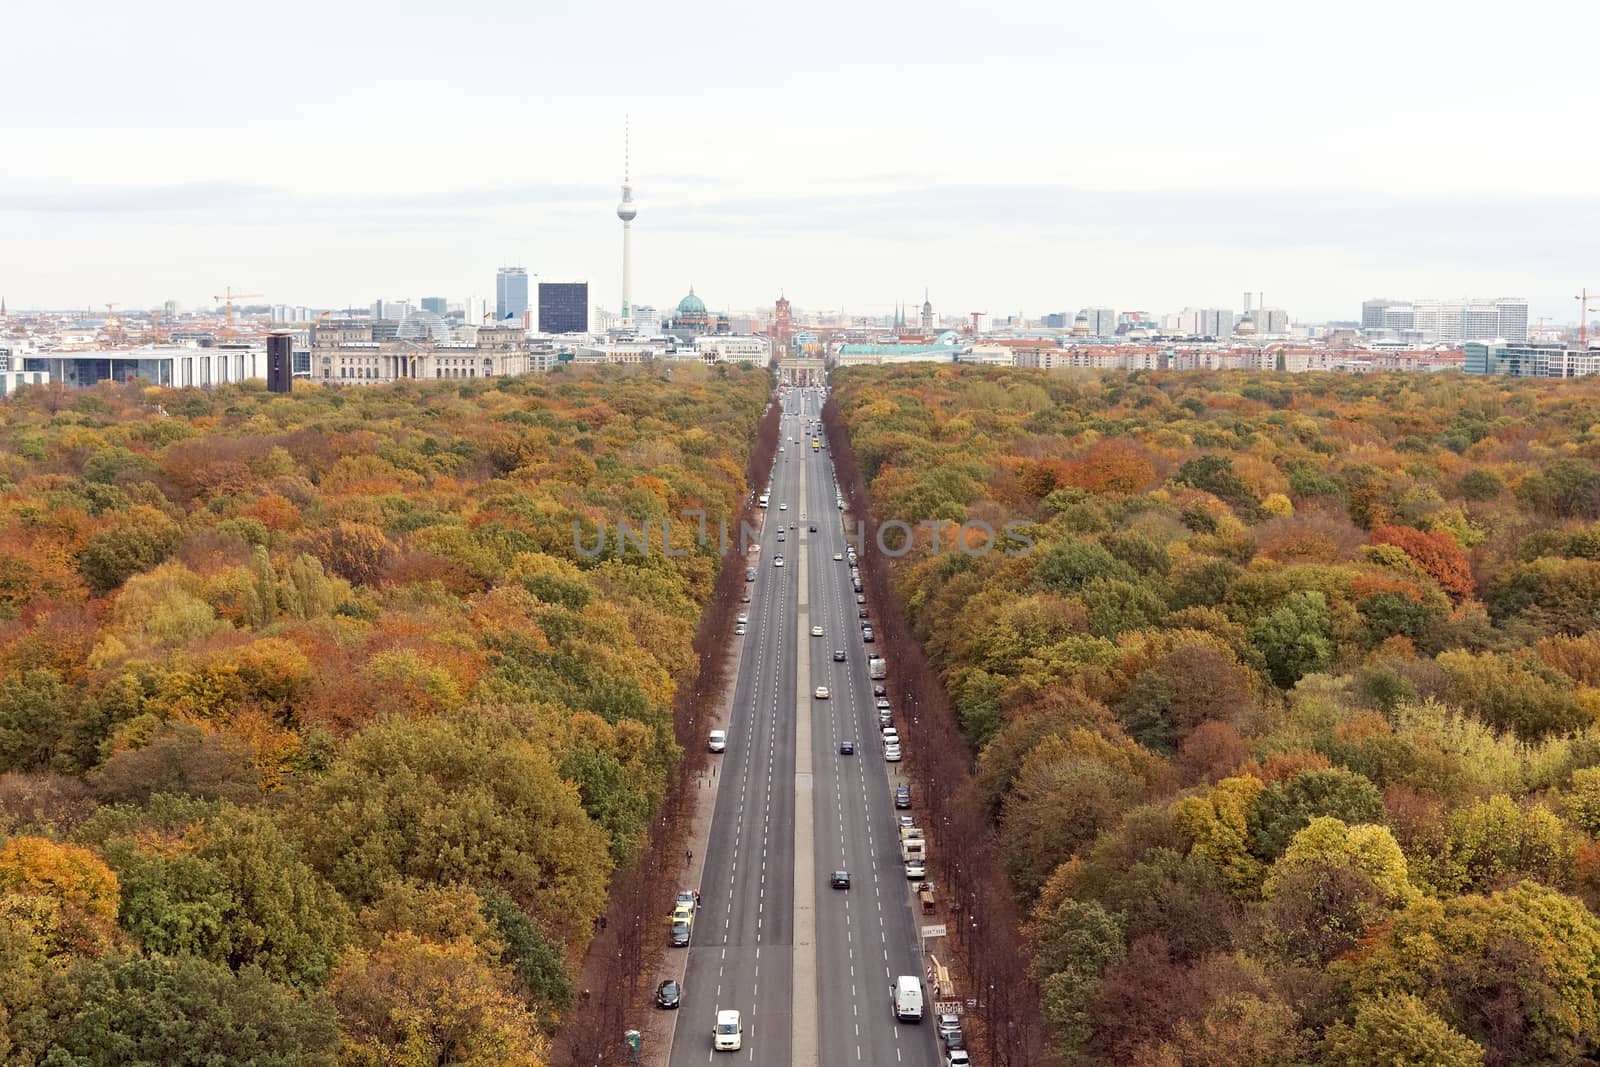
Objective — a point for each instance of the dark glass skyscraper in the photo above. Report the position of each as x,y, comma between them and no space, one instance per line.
435,304
510,293
563,307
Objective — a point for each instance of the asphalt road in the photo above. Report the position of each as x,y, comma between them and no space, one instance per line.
742,953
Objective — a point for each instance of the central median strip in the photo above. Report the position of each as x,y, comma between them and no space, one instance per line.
803,1021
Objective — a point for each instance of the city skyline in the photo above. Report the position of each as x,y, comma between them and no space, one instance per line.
1186,181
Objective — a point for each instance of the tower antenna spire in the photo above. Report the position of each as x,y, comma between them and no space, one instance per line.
627,211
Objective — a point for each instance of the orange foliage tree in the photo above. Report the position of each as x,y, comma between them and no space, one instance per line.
1436,553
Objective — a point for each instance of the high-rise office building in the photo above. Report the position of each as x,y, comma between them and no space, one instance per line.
1199,322
1102,321
1450,321
1374,311
390,309
563,307
436,304
510,293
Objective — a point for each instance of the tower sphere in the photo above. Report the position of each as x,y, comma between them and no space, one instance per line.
627,210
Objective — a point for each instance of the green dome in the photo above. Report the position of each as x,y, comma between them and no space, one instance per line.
691,305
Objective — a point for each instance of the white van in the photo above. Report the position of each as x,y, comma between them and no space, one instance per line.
729,1034
719,740
907,991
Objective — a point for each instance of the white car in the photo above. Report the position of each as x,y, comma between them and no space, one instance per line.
891,754
822,692
838,557
743,616
816,631
777,561
739,631
718,740
783,507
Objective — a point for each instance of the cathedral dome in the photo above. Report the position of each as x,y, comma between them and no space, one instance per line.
691,305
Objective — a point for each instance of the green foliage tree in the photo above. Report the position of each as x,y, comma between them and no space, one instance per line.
281,916
1399,1030
1296,638
1070,564
445,801
35,712
1215,475
1568,488
141,540
1492,843
1074,946
1285,808
1512,694
182,1011
536,962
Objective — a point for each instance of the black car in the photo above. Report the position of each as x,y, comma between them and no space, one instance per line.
680,935
667,994
840,880
813,527
880,691
847,747
861,613
838,655
902,797
866,635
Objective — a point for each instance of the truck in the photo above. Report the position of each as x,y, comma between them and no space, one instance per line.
876,667
765,499
915,848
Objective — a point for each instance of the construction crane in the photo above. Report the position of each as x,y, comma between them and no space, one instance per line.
114,331
229,297
976,315
1584,308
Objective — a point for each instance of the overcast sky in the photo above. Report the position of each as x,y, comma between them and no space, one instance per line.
1009,156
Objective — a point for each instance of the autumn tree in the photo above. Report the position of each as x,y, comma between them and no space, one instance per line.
410,1002
1436,553
445,800
1511,971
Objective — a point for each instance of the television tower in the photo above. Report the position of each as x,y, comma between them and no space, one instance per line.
627,212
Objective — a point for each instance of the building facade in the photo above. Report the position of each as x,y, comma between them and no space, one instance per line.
734,349
1449,321
510,293
1530,359
11,380
563,307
